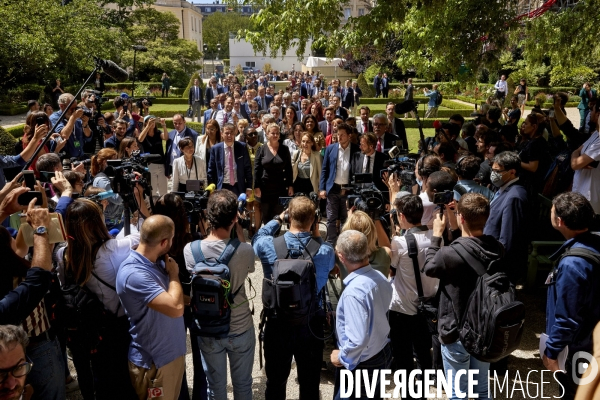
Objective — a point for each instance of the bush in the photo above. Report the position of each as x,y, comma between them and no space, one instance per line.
15,131
267,67
365,87
450,88
7,142
560,76
13,109
371,72
186,92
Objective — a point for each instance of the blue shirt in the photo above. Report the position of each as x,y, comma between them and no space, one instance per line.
362,326
9,162
432,98
473,187
265,250
74,145
573,306
155,337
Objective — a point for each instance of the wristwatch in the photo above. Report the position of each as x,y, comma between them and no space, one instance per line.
278,219
40,230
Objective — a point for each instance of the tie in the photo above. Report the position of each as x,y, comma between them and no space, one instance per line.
328,128
225,118
264,104
366,127
368,167
496,196
379,145
230,161
212,116
197,97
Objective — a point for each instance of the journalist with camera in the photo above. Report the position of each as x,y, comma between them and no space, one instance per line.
293,330
70,126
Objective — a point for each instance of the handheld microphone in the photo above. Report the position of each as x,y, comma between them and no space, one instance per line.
437,124
242,202
113,70
209,189
103,196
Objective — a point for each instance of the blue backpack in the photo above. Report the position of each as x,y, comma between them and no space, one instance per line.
211,296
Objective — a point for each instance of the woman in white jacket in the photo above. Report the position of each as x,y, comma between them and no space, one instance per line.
306,166
188,167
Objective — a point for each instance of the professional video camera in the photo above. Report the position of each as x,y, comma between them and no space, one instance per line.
402,165
369,200
123,178
195,199
314,197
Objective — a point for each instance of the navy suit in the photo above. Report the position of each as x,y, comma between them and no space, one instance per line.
377,85
347,97
336,199
209,93
268,100
216,167
356,167
508,223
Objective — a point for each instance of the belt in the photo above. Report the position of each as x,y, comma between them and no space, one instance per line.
42,337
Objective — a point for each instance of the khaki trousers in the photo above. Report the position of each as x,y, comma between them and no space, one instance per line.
162,383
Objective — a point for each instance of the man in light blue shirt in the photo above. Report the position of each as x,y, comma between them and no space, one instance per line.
467,168
152,297
362,326
432,105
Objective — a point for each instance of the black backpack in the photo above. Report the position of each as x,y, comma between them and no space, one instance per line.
78,311
211,295
492,324
291,294
439,99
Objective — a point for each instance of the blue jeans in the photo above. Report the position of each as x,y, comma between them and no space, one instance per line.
48,374
382,360
240,350
456,358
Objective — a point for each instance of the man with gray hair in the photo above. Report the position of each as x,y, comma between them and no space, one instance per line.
14,366
362,326
70,126
385,141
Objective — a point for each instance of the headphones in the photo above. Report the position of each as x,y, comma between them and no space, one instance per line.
425,171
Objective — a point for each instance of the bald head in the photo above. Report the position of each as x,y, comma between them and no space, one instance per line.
155,229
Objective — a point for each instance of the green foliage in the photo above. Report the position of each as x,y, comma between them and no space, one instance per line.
238,70
12,109
365,87
7,142
216,28
536,75
267,67
450,88
371,72
195,76
577,76
15,131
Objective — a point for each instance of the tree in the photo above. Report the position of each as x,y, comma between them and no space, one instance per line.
216,28
436,35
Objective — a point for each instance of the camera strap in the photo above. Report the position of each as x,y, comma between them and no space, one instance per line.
413,253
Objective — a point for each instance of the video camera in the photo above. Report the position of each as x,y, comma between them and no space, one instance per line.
369,200
195,200
401,165
122,176
144,102
314,197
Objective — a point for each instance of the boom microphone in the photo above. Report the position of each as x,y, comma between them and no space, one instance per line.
113,70
151,157
209,189
405,107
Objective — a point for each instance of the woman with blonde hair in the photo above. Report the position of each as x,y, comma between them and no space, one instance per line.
380,256
92,259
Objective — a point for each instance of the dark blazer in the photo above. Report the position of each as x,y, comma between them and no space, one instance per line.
356,167
330,165
349,93
268,100
207,115
508,223
216,166
209,93
200,96
270,179
360,126
377,83
189,132
342,113
389,141
400,132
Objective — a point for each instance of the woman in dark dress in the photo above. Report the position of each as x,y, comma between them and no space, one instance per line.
533,151
273,174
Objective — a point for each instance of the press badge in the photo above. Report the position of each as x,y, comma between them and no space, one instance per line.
550,278
155,393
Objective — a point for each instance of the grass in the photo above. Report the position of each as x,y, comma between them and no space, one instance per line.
412,134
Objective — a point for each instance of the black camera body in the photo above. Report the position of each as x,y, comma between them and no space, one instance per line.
123,179
369,200
194,203
314,197
404,168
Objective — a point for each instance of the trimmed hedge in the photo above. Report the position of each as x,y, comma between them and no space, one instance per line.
372,100
425,122
16,131
454,105
13,109
7,142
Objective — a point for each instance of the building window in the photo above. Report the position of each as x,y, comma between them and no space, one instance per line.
207,9
250,64
361,12
347,13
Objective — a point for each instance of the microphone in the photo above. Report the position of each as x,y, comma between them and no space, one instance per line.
102,196
437,124
242,202
404,107
209,189
113,70
151,157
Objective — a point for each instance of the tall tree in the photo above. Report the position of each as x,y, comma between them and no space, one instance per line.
216,28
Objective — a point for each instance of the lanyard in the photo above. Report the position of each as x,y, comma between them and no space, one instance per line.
189,171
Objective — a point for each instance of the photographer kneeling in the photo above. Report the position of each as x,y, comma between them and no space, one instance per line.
285,337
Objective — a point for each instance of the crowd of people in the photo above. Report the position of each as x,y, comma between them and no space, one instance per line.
137,240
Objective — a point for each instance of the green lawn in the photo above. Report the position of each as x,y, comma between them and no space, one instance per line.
412,135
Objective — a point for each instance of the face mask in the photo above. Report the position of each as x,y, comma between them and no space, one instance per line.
419,182
496,178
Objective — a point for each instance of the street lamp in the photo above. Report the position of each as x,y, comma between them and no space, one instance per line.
205,56
217,56
136,48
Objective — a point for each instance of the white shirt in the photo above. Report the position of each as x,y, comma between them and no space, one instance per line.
428,210
502,86
342,172
181,174
366,159
226,177
587,181
404,285
220,117
107,264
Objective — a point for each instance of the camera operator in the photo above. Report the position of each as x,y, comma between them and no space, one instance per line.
123,112
282,340
334,176
70,127
405,300
239,345
369,161
426,166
